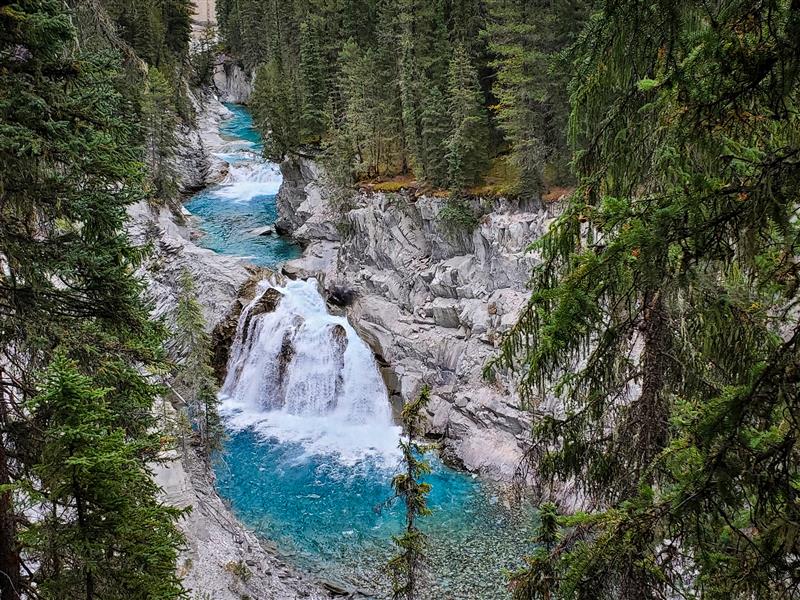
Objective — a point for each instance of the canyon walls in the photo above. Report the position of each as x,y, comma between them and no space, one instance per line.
432,299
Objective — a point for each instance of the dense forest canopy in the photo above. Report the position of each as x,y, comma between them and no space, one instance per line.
457,93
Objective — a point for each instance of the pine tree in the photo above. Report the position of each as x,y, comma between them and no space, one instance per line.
194,375
102,533
662,315
424,52
405,567
467,146
526,39
435,129
539,578
160,123
314,86
274,103
70,165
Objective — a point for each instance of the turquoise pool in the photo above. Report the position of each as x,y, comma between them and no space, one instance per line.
325,504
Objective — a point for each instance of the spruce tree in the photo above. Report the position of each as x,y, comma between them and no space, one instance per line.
160,123
663,315
70,164
526,39
405,568
314,85
193,378
467,146
102,533
274,103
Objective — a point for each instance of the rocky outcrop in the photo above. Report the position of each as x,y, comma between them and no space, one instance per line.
231,81
194,163
304,207
217,278
430,299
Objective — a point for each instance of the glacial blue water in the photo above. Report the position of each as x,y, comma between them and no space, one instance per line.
230,211
326,514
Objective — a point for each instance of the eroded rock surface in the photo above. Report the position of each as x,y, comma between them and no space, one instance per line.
430,299
231,81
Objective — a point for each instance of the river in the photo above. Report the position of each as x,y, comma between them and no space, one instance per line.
311,445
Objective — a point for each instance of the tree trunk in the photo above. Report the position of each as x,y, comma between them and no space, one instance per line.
9,554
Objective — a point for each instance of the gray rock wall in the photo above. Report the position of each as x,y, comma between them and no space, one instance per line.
432,301
231,82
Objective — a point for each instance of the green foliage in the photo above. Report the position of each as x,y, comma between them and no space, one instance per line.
102,532
458,215
313,121
193,378
539,578
526,39
371,116
204,56
406,84
160,122
275,100
71,162
467,146
663,314
157,30
405,567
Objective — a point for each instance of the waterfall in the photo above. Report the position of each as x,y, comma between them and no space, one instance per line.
249,177
299,374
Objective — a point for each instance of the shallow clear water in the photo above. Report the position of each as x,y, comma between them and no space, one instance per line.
230,211
310,454
325,516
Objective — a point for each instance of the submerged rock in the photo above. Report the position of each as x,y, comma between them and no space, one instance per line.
263,231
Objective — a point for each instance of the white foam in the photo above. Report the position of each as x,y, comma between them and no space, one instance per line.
301,375
248,179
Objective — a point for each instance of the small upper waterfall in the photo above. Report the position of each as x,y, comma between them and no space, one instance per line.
248,177
297,373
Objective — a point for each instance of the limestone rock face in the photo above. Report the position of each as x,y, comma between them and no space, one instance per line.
232,83
431,300
304,209
217,278
194,163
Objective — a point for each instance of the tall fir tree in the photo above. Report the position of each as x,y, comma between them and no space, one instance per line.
467,146
314,120
102,533
405,568
193,377
663,313
70,165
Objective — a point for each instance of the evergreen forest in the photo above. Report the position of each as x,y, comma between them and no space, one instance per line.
657,352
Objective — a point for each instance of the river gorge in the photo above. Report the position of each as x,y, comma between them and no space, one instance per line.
312,443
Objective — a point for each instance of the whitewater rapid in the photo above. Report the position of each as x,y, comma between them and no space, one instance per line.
249,176
298,374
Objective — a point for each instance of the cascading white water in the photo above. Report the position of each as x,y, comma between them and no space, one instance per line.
248,177
299,374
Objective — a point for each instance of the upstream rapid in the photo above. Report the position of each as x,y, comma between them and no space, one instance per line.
312,444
